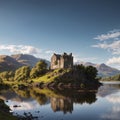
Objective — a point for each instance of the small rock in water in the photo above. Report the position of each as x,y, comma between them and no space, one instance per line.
16,106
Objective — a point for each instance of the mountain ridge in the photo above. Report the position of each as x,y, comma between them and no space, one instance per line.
26,59
13,62
8,63
103,69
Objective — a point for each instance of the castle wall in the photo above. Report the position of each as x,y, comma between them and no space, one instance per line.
55,63
68,61
61,61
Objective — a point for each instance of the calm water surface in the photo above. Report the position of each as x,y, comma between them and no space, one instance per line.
103,104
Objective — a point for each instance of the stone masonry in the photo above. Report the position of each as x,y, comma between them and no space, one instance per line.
61,61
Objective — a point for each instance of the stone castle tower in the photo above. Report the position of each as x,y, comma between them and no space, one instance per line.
61,61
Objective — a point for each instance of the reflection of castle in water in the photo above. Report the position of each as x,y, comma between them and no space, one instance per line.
60,104
60,100
65,103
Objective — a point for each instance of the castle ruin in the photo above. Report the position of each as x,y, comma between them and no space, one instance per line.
61,61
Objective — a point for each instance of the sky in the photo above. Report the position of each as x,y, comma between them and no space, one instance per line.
90,29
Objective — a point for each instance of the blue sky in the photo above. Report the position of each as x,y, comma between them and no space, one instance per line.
90,29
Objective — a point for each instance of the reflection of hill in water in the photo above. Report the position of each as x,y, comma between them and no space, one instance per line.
66,104
108,89
71,96
78,96
11,95
60,100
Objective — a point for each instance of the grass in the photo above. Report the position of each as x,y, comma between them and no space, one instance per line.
45,78
49,77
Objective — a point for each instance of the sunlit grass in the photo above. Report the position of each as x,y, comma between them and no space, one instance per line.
49,77
45,78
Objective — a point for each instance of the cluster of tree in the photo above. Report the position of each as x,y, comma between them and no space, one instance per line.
24,73
39,69
89,72
112,78
7,75
79,75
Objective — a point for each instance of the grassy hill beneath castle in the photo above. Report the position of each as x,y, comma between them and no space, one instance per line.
79,76
39,75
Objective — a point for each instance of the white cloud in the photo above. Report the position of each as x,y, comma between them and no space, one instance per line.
114,112
112,115
23,105
101,45
116,108
114,60
24,49
113,47
78,59
115,99
110,35
27,49
49,52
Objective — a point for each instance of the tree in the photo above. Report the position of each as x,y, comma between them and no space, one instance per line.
7,75
91,72
39,69
22,74
80,68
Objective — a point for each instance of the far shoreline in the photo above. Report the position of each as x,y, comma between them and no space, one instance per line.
112,82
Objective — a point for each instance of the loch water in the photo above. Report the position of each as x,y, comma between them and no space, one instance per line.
61,104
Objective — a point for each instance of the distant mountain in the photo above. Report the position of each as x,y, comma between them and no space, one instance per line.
8,63
25,59
107,89
13,62
103,69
